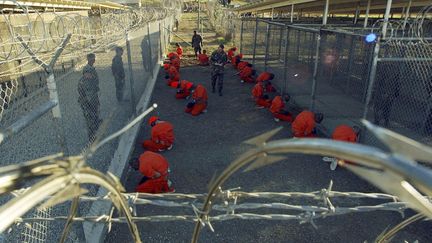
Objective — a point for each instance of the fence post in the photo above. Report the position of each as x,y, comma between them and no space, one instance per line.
160,41
372,76
131,79
241,36
255,41
280,43
298,45
285,63
150,50
267,40
315,72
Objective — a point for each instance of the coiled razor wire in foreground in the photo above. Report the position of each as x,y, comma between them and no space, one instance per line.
395,172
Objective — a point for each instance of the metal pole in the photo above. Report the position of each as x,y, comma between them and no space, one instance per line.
150,50
357,13
407,14
386,18
160,41
255,41
372,77
367,14
315,72
326,10
292,13
131,80
280,43
285,64
241,36
267,40
199,12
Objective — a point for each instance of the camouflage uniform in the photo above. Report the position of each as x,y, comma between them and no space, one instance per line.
88,88
119,76
218,60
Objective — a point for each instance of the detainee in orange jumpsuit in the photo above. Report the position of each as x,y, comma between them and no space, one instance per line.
247,74
172,55
277,109
231,53
162,135
242,65
265,78
304,124
261,100
179,50
184,89
155,169
236,60
199,101
173,77
346,133
203,59
176,63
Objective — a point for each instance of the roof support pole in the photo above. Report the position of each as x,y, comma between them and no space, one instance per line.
386,18
367,14
292,13
357,13
407,14
326,10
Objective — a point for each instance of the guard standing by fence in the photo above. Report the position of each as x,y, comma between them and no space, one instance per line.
218,60
119,73
88,88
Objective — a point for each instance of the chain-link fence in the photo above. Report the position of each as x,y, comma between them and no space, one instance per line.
402,88
104,60
332,70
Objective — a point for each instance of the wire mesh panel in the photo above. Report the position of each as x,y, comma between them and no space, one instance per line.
300,57
248,37
401,94
343,73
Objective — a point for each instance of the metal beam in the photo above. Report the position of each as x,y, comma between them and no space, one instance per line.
367,14
326,11
292,13
407,13
386,18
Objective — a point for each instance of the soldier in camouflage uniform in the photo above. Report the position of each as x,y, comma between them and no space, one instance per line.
218,60
118,72
88,88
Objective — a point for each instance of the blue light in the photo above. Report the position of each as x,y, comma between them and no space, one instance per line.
371,38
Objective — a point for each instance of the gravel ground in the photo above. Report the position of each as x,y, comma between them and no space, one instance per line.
206,144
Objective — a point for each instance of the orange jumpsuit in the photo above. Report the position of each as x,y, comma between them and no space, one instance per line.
200,97
184,90
149,164
258,94
172,55
231,53
166,66
276,109
179,51
236,60
203,59
162,137
176,63
174,76
265,76
246,75
242,65
303,125
344,133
